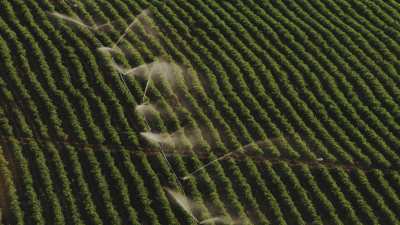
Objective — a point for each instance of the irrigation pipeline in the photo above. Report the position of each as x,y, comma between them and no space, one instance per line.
236,155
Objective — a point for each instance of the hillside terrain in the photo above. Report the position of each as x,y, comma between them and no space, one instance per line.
178,112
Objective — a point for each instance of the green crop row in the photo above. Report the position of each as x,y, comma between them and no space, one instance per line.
315,81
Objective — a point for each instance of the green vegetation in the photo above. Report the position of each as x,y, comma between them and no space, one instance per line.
312,86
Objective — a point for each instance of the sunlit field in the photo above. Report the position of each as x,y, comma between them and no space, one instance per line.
189,112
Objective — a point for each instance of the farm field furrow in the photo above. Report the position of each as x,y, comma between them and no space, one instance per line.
193,112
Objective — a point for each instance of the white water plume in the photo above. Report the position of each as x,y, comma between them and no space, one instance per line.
137,19
183,202
169,139
103,26
109,50
153,72
121,69
161,139
190,207
174,139
139,71
149,79
193,135
242,149
77,21
124,71
162,69
218,220
157,138
207,165
146,109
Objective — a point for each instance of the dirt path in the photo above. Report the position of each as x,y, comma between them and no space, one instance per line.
238,156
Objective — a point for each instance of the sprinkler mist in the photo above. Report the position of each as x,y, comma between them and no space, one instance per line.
134,22
145,109
79,22
120,69
162,140
149,79
219,220
109,50
114,48
147,72
154,71
146,88
189,206
158,69
207,165
139,71
183,202
157,138
241,149
76,21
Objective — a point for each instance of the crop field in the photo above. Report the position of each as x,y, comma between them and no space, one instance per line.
187,112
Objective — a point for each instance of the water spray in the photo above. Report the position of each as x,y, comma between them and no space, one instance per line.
220,159
109,50
78,21
149,77
101,26
183,202
189,206
162,139
219,219
136,20
206,165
